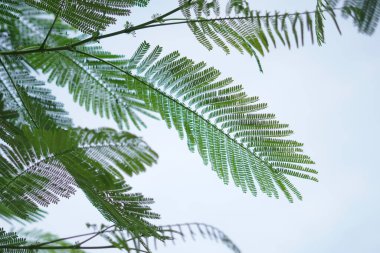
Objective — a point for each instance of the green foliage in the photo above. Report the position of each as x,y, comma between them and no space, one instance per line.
218,119
88,16
45,158
84,81
365,13
9,240
8,11
7,129
39,171
29,97
250,31
215,116
99,90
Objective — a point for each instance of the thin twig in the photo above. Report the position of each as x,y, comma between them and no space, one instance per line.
32,247
49,32
204,20
149,24
95,235
80,235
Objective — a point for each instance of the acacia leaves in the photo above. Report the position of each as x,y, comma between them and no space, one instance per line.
88,16
8,11
41,166
365,13
29,97
10,241
218,119
253,32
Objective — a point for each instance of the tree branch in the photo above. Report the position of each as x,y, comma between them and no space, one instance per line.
94,38
95,235
32,247
149,24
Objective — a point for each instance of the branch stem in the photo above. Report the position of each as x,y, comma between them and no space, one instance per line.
95,235
32,247
157,22
49,32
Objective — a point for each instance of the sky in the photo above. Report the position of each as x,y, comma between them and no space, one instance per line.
329,97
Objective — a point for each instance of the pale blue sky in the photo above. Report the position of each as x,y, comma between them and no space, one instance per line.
328,95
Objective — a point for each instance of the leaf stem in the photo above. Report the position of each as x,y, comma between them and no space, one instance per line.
99,37
95,235
32,247
150,24
49,32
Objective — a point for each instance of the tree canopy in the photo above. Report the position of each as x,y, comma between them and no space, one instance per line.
45,157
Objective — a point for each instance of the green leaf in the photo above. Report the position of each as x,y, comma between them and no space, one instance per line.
88,16
10,241
221,122
29,97
41,166
365,13
247,31
8,11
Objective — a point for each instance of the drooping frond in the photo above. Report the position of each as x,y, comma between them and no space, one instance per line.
124,240
365,13
29,97
88,16
250,31
8,11
218,119
41,166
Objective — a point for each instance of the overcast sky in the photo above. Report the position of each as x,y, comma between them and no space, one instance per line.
328,95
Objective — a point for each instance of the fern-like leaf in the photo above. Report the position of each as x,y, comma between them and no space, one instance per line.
10,241
219,120
88,16
8,11
27,96
41,166
247,30
84,80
